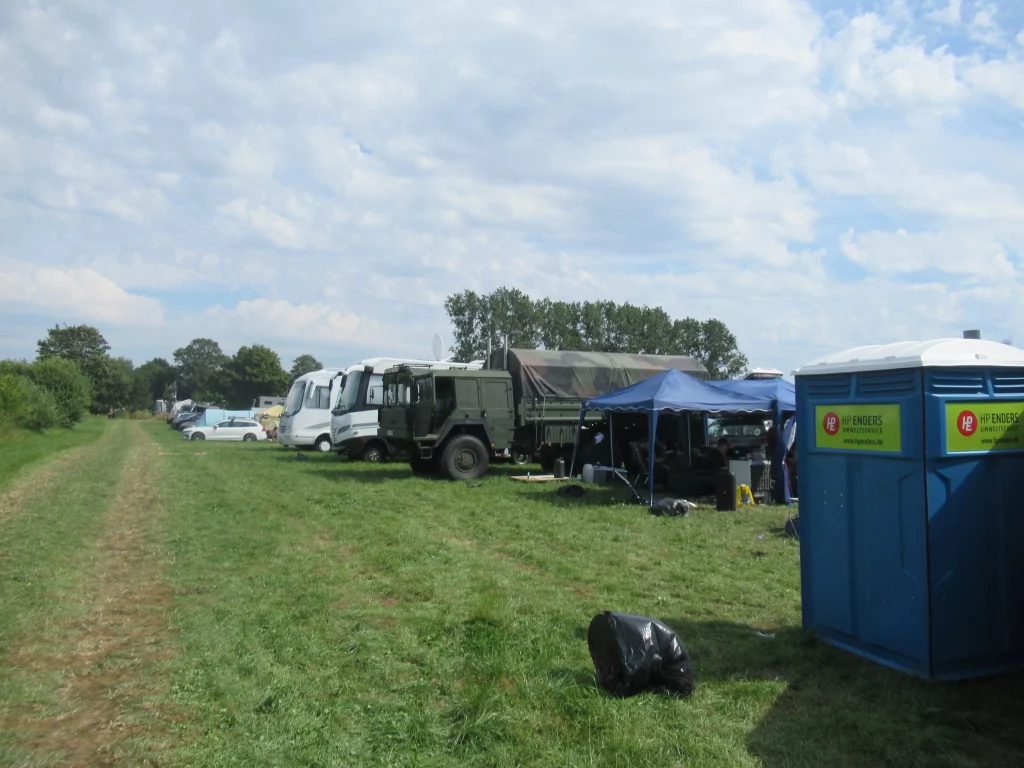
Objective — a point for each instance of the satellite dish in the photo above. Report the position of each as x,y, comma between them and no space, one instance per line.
438,347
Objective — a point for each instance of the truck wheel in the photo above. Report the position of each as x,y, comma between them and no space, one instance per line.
373,453
464,458
421,466
520,457
323,443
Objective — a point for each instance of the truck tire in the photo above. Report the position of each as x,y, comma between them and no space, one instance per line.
374,453
422,466
464,458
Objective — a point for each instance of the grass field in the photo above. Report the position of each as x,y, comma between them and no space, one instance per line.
193,604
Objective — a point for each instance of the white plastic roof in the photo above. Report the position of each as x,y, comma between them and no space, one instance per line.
938,353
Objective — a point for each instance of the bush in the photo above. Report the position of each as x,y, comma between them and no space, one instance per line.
25,404
11,405
68,386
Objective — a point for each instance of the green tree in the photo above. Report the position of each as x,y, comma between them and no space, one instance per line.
83,345
558,324
302,365
713,344
121,387
596,326
200,367
158,375
70,389
255,371
508,314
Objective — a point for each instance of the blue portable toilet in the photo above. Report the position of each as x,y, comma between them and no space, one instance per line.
911,519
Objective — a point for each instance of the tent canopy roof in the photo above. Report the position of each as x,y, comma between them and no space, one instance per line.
783,392
676,391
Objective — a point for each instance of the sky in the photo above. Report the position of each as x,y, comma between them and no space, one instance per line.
319,177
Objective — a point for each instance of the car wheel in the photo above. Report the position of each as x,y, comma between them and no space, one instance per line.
198,436
464,458
323,444
373,453
520,457
250,438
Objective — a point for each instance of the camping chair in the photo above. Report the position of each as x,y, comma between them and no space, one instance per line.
639,457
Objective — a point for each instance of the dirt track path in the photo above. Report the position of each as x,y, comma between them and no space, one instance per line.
110,661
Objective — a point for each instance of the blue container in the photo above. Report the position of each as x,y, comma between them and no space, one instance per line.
911,521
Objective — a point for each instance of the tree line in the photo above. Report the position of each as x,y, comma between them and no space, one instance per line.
510,315
74,373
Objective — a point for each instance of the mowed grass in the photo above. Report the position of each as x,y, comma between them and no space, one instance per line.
21,449
328,613
334,613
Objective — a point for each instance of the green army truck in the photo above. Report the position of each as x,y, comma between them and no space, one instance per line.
525,404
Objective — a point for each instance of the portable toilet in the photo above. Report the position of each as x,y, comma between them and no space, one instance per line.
911,519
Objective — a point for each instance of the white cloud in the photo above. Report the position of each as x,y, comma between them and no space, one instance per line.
168,179
983,27
280,319
1001,78
78,293
893,253
53,119
948,15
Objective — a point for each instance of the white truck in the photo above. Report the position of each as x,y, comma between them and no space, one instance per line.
359,395
306,418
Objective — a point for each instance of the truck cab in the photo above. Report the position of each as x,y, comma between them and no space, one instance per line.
449,422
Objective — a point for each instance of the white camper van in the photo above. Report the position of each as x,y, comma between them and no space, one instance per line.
306,419
360,395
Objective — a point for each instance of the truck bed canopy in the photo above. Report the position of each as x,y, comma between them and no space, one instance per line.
544,373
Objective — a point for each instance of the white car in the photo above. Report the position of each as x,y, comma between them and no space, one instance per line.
246,430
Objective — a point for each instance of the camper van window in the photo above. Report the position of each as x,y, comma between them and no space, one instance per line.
294,403
375,394
318,397
349,392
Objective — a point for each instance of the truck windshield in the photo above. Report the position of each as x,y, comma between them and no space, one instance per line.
294,402
349,392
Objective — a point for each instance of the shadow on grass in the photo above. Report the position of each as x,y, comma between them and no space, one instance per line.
840,709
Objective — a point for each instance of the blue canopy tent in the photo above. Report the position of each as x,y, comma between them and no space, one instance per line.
784,396
671,391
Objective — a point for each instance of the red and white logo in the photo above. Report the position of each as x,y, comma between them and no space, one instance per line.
967,423
830,423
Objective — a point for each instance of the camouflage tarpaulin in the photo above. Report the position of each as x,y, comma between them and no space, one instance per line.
541,373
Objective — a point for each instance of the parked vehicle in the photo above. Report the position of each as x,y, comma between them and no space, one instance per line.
745,432
306,419
180,407
453,422
186,420
359,398
244,430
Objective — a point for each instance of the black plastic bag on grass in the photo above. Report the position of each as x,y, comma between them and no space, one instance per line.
634,653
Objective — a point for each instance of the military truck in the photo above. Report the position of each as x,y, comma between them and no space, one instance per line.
525,403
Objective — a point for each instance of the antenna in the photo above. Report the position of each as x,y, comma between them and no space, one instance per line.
438,347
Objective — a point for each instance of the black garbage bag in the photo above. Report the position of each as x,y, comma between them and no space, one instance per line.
634,653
